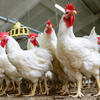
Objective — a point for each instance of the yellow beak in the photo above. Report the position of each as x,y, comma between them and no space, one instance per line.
75,12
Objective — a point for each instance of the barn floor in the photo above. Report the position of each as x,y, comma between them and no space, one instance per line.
87,92
55,95
50,98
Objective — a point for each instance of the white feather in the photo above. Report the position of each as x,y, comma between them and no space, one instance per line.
6,67
31,64
77,54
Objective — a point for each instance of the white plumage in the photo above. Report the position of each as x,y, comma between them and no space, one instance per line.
48,40
78,55
7,70
31,64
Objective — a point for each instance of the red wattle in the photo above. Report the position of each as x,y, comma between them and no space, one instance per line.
69,21
49,31
34,42
2,44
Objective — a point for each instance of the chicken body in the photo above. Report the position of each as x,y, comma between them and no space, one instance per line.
31,64
9,72
2,74
30,45
78,55
49,41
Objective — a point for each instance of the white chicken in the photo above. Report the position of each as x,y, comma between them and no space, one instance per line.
9,70
78,55
48,40
31,64
2,76
32,43
93,38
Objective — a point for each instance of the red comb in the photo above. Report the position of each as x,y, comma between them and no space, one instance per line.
49,23
3,33
32,34
69,6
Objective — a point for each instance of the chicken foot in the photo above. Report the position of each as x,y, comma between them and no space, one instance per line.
32,93
79,93
98,83
6,88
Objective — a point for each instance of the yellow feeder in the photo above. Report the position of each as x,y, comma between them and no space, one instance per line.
18,30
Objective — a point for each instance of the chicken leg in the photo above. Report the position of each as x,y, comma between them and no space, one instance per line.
79,93
19,89
1,84
1,88
64,89
32,93
30,85
13,86
98,83
6,88
40,88
46,86
88,83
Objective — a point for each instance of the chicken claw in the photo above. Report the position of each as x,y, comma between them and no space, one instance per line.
77,95
3,93
97,94
6,88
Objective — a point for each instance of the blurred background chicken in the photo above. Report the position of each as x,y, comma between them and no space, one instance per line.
78,55
31,64
93,38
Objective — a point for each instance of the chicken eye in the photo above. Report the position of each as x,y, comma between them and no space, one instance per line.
32,37
4,36
66,12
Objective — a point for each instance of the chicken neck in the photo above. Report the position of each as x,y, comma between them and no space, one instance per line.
12,45
65,31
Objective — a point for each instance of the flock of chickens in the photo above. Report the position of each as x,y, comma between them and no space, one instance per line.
62,58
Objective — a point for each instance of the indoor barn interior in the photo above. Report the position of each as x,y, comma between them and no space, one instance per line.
49,49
